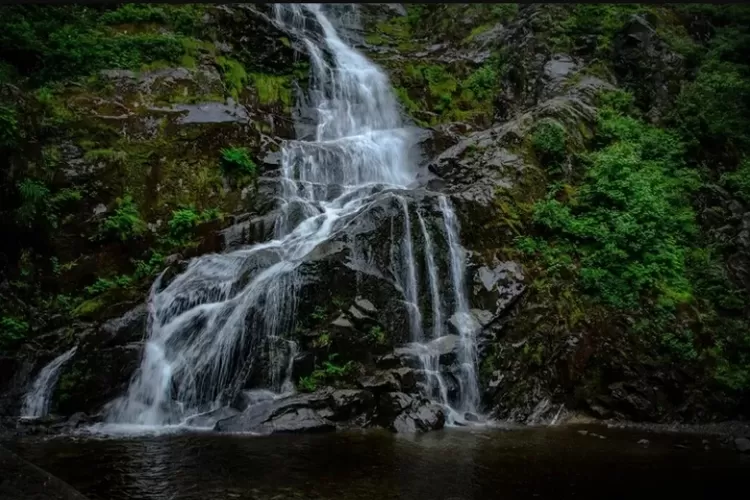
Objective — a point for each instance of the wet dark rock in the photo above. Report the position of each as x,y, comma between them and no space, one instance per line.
391,404
288,415
210,418
420,417
251,397
407,378
644,63
94,376
380,382
446,348
497,287
127,328
211,112
303,365
402,413
348,403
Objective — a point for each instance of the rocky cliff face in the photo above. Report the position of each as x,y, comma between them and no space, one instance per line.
484,83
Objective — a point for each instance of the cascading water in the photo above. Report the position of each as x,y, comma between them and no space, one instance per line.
36,402
463,319
207,325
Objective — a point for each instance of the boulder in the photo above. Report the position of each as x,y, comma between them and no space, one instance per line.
349,403
407,378
380,382
288,415
391,404
419,417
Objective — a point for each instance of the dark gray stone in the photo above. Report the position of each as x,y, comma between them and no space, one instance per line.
380,382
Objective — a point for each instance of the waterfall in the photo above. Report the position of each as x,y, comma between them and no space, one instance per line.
462,318
209,324
36,401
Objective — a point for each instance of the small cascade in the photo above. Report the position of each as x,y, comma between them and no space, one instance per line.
436,386
463,319
409,285
36,402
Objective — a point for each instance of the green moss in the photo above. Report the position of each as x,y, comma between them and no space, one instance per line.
273,89
234,74
89,308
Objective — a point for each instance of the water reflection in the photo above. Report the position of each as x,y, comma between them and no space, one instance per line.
457,464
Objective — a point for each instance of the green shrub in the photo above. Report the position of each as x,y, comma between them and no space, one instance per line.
12,331
327,374
628,225
131,13
483,82
549,142
33,195
125,223
236,162
183,222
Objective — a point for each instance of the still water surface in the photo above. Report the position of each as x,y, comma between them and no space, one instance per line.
554,463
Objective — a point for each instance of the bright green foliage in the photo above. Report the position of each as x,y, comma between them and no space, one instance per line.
713,110
327,374
12,330
549,142
236,162
131,13
54,43
235,76
273,89
184,221
627,225
483,82
125,223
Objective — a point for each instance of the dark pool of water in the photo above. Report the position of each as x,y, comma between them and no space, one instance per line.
550,463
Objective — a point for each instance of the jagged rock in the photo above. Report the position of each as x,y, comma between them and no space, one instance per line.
342,322
365,305
407,378
127,328
380,382
210,418
293,414
446,348
422,418
252,397
348,403
389,361
496,288
646,64
391,404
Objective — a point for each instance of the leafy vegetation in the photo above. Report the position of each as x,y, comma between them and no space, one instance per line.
328,373
236,162
629,233
126,222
